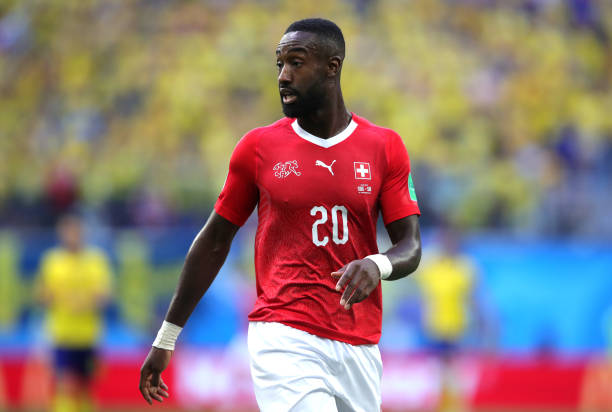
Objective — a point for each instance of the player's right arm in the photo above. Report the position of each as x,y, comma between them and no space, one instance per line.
204,259
203,262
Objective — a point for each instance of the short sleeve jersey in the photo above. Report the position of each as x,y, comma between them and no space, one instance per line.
447,283
74,284
318,202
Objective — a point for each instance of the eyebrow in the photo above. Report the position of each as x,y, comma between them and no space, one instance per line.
300,49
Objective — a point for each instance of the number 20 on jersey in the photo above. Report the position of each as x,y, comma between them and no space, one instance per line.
321,213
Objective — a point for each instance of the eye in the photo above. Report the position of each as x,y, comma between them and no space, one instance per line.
279,65
296,63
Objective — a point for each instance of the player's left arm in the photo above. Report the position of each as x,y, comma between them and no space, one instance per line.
405,254
360,277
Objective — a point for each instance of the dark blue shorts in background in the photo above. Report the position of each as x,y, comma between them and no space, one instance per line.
76,361
442,347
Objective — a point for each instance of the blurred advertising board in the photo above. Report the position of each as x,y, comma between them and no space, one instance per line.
220,380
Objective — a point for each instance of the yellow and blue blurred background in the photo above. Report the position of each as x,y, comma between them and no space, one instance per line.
127,112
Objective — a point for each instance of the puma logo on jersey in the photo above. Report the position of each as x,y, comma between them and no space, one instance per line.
320,163
284,169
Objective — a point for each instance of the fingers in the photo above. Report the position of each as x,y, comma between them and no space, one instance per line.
163,388
151,391
155,378
358,279
338,273
348,292
155,389
144,385
156,393
350,279
358,295
345,274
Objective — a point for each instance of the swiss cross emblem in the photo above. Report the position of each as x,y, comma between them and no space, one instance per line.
362,170
284,169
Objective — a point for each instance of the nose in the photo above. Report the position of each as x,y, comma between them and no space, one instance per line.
284,77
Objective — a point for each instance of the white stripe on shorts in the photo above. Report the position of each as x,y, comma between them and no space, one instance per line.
296,371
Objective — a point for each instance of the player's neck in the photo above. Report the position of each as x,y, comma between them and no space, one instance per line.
327,121
74,250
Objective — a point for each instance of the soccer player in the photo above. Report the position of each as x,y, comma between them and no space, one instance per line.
448,284
319,178
74,284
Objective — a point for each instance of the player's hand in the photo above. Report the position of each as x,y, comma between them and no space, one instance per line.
151,384
360,277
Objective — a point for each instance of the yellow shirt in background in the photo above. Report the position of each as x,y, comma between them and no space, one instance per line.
74,285
446,287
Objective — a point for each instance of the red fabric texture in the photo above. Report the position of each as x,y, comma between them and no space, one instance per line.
317,210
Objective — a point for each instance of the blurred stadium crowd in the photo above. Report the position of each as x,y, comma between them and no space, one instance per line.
127,112
130,109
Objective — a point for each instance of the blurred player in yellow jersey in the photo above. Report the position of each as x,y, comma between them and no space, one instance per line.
74,285
447,283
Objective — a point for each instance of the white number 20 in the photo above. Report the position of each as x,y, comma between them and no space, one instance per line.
334,213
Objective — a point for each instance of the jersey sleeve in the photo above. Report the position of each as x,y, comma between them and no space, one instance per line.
398,197
239,195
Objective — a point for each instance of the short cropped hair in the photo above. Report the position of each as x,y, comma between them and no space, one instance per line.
326,30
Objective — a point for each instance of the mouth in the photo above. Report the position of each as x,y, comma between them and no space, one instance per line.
288,96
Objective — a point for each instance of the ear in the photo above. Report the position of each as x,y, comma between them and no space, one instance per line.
334,65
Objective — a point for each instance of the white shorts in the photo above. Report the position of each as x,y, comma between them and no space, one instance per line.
296,371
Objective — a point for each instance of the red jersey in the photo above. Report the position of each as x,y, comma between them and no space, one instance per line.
318,202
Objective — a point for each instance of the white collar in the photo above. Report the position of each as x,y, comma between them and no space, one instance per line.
326,143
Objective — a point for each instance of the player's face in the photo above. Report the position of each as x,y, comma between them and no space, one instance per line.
70,233
301,74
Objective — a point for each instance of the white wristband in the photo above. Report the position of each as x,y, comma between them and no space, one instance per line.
383,263
167,335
